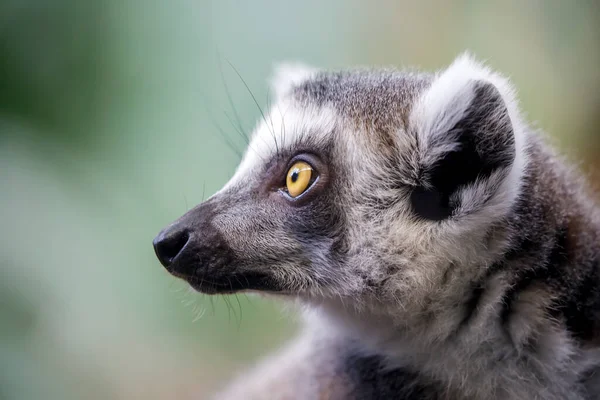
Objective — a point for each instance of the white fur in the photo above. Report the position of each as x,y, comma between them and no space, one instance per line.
287,75
283,127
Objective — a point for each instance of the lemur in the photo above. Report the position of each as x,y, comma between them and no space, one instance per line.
440,247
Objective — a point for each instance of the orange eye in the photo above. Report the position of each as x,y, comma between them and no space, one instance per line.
299,178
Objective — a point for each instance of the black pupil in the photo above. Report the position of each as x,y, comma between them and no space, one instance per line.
295,175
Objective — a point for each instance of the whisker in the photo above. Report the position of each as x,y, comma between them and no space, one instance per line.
244,137
212,305
224,135
272,126
237,129
255,101
282,123
174,287
230,100
233,308
240,308
229,308
248,300
200,314
243,294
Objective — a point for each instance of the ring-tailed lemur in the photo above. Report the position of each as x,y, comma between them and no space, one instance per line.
441,247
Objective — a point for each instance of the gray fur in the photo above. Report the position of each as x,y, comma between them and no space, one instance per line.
445,252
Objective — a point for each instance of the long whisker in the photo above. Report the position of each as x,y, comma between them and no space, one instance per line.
271,120
237,125
200,314
224,135
238,321
282,124
248,300
230,100
238,300
255,102
272,129
243,136
237,128
212,305
229,307
240,308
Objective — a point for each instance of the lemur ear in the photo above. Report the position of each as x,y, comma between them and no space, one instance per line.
288,75
469,142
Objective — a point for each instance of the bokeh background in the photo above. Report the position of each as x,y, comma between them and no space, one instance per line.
115,119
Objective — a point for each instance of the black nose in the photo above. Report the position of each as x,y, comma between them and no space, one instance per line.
169,243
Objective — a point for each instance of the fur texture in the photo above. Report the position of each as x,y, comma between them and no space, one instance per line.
443,252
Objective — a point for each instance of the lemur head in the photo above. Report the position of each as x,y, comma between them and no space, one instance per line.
359,185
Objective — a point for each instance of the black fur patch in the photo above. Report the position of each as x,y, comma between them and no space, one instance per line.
582,308
430,204
472,304
485,143
372,380
547,270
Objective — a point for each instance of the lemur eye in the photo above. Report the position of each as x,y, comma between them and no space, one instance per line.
299,178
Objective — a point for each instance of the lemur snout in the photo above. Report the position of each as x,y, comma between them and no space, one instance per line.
195,249
169,243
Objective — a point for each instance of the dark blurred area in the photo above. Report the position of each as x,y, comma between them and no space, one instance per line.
114,120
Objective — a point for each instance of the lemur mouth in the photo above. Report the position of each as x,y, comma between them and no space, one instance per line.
230,284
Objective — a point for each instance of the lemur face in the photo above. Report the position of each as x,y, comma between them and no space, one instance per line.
359,183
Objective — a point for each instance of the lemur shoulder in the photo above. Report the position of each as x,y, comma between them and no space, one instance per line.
442,250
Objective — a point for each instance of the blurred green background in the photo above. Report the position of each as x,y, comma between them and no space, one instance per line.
112,116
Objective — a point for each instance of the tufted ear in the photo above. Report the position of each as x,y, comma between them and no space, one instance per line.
289,75
469,142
